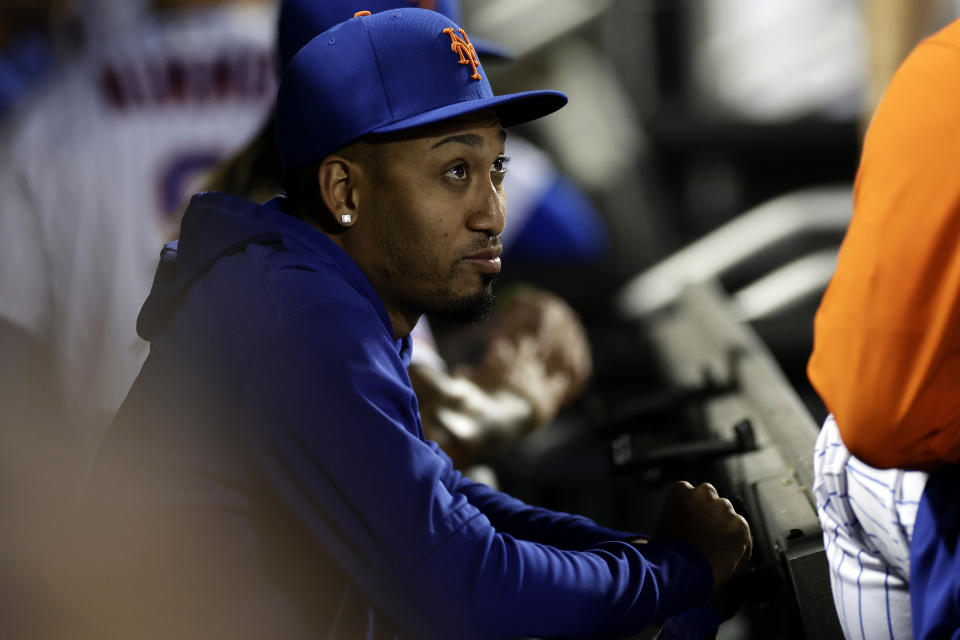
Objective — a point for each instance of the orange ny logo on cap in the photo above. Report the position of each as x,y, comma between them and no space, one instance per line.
463,48
426,4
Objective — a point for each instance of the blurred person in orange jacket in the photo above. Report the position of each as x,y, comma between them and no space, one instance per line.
886,361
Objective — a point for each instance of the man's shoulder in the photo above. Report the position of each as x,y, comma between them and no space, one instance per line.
245,279
278,274
298,280
304,269
274,279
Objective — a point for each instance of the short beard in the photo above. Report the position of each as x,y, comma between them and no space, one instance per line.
467,309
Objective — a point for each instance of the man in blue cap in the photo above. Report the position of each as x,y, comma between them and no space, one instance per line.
267,475
540,359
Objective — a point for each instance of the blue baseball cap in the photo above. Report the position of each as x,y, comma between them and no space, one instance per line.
387,72
301,20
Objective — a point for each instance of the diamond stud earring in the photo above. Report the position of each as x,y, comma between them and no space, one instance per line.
346,218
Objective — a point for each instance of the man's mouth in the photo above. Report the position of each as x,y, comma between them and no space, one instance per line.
487,260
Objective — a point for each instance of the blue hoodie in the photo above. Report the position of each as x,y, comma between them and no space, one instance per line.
267,475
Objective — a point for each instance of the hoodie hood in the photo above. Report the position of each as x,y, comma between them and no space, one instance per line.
216,225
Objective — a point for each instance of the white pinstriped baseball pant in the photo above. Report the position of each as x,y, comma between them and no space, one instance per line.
867,518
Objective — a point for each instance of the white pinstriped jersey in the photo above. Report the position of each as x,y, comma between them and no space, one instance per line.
97,167
867,518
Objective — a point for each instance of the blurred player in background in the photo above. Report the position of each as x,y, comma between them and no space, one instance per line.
98,162
28,35
885,364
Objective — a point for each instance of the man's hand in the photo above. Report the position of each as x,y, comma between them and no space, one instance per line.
708,522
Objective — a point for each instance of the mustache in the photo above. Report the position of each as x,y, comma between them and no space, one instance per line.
485,244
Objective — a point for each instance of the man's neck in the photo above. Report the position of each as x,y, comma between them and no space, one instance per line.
402,320
402,323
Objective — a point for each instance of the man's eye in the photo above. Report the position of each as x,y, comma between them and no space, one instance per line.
500,164
457,172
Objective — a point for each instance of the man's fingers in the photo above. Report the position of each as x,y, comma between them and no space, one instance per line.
748,552
681,486
709,522
708,489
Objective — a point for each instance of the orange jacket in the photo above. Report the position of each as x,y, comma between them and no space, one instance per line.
886,357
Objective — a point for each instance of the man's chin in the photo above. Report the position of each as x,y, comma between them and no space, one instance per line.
466,308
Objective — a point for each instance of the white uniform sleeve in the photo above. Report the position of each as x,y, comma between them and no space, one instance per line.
867,518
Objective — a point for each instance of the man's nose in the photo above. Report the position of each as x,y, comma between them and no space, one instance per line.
489,214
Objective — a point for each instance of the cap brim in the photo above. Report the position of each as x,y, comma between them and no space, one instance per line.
512,109
490,51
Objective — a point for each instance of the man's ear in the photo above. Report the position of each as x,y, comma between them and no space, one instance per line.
337,178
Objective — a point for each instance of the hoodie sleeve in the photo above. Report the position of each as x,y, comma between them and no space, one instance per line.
509,515
336,438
